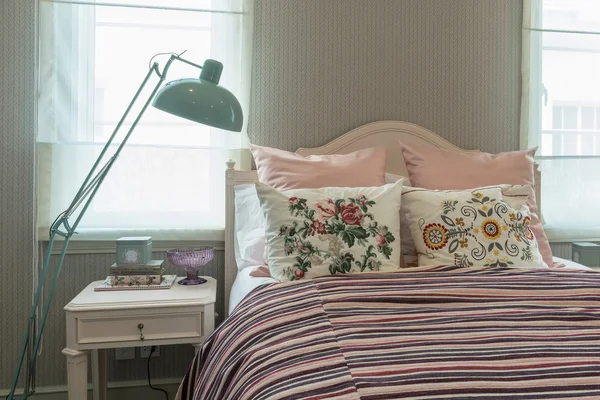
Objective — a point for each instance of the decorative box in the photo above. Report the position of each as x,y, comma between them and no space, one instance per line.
586,253
152,268
136,250
135,280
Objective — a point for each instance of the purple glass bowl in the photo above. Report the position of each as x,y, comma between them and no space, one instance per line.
191,260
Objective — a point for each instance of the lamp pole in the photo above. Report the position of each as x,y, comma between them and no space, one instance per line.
63,228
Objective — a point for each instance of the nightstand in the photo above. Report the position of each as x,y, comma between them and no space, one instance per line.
97,321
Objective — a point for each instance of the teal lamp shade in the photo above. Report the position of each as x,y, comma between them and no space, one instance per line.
202,100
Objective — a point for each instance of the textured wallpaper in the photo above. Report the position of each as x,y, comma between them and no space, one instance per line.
17,124
562,250
321,68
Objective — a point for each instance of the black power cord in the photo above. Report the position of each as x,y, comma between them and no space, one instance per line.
152,350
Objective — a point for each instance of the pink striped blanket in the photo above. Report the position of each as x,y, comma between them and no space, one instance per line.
435,333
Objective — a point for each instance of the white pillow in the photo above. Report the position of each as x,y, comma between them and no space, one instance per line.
315,232
479,227
409,253
249,236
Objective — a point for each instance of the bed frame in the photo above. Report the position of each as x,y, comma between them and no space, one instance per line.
382,133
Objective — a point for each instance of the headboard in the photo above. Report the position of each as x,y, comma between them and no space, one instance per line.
382,133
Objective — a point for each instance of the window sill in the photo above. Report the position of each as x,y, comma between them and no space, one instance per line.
108,246
103,242
561,234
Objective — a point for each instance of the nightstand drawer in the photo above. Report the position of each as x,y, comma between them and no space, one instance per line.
127,328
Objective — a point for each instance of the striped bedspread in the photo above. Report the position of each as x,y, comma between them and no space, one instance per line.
435,333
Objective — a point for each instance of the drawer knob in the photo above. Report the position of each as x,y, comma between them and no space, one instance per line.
140,327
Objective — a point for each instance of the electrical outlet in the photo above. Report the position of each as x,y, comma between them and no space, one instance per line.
145,351
125,353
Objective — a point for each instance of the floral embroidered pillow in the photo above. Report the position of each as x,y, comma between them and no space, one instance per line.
481,227
315,232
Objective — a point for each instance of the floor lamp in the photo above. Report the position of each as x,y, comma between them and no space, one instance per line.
201,100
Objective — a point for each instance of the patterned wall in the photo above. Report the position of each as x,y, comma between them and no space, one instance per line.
17,124
324,67
562,250
321,68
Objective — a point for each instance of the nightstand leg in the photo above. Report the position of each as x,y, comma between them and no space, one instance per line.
100,373
76,373
197,347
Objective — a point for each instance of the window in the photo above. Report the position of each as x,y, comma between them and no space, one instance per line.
561,112
169,179
574,130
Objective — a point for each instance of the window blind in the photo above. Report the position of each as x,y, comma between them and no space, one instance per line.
560,111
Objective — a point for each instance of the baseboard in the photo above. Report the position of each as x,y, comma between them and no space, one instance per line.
125,390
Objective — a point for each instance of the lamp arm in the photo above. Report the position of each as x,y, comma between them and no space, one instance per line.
152,69
92,183
178,58
99,178
104,171
62,227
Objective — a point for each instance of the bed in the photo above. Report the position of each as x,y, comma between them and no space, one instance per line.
421,333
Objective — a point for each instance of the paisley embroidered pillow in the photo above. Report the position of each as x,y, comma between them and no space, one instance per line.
481,227
315,232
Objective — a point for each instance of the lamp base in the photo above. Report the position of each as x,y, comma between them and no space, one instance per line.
192,279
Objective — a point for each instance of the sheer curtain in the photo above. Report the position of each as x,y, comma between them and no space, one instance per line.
169,180
561,112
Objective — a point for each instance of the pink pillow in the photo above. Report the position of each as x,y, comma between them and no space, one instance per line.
284,170
430,167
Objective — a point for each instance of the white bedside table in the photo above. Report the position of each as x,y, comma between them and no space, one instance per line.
98,321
